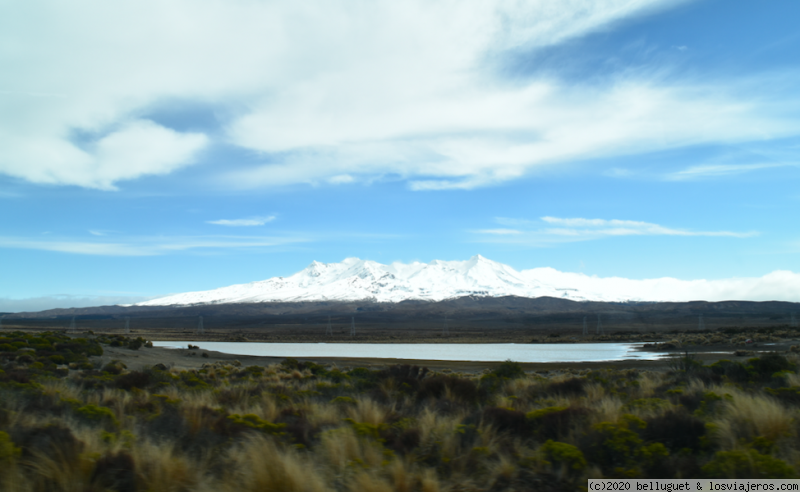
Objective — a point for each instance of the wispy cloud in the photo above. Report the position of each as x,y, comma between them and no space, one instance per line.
582,229
717,170
148,246
249,222
614,227
323,105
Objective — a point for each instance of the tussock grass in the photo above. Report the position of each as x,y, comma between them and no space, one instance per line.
300,426
747,417
263,465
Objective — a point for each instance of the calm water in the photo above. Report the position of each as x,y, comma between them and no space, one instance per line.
484,352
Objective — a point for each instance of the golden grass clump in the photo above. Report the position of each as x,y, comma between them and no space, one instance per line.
301,426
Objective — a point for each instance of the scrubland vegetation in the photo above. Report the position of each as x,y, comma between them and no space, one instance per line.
68,425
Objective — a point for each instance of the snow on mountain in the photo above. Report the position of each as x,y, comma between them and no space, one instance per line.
356,279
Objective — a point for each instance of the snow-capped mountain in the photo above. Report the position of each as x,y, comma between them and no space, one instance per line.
355,279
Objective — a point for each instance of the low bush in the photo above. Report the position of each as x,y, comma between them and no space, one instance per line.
747,464
507,420
509,370
157,428
677,429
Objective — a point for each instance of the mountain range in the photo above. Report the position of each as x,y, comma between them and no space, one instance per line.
354,279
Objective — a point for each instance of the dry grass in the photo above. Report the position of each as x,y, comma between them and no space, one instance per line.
607,409
297,427
749,416
262,465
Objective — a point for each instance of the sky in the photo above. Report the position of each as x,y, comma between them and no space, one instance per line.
151,147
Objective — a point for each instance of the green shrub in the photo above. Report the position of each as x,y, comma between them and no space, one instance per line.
8,451
509,370
253,421
94,413
732,371
135,343
711,404
542,412
114,367
747,464
618,448
768,364
563,453
648,404
58,359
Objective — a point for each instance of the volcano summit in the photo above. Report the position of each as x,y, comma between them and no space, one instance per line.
355,279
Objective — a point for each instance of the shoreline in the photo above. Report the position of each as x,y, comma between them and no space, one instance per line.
187,359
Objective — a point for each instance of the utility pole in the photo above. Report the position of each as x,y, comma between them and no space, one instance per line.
599,326
72,328
446,329
701,325
329,329
200,329
353,327
792,323
585,326
127,325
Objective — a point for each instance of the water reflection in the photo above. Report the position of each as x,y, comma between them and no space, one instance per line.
481,352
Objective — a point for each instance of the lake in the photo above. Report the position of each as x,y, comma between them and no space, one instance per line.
479,352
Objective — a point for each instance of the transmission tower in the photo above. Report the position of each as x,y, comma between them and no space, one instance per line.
585,326
445,329
72,328
599,326
353,327
127,325
701,325
200,330
1,322
329,329
792,323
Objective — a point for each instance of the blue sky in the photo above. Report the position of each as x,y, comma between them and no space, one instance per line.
153,147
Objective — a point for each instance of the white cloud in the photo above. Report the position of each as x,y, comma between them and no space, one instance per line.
147,246
616,227
341,179
135,149
716,170
333,93
581,229
97,233
779,285
252,221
